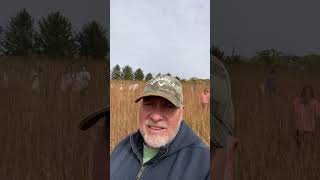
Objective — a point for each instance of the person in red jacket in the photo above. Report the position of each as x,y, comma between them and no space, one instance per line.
306,113
205,98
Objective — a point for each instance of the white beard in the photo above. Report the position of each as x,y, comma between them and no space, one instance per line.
156,141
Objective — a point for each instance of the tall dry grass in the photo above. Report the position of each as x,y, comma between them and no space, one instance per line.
264,126
39,135
124,111
40,139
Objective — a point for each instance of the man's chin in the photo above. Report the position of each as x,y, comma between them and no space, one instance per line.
155,141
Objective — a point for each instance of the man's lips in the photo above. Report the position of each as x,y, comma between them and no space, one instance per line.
156,128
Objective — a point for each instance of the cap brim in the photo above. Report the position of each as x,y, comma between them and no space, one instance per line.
94,117
163,95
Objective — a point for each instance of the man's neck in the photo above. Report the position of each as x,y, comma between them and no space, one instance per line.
149,147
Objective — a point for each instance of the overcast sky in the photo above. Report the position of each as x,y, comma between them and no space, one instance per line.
247,25
167,36
291,26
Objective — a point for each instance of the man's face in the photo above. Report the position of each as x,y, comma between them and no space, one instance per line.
159,120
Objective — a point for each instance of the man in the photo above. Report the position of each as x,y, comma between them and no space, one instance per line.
164,147
222,123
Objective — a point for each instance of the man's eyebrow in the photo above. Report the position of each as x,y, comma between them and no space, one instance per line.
169,103
145,99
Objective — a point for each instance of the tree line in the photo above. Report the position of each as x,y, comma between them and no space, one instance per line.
53,36
127,73
269,57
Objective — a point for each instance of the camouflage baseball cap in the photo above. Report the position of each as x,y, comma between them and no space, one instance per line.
164,86
222,113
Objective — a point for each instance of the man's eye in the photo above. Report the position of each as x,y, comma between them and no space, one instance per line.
171,106
147,104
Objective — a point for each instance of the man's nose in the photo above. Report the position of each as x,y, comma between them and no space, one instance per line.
156,116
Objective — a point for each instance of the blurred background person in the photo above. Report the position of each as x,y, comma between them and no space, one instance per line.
305,114
268,86
205,98
66,80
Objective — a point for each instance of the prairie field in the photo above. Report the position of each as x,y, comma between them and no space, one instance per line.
39,134
123,110
41,140
264,126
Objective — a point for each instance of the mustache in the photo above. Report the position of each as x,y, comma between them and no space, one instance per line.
157,124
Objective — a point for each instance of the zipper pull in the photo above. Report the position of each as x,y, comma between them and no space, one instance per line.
140,173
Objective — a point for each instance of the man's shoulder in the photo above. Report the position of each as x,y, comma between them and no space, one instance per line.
196,141
200,144
197,151
199,147
196,155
